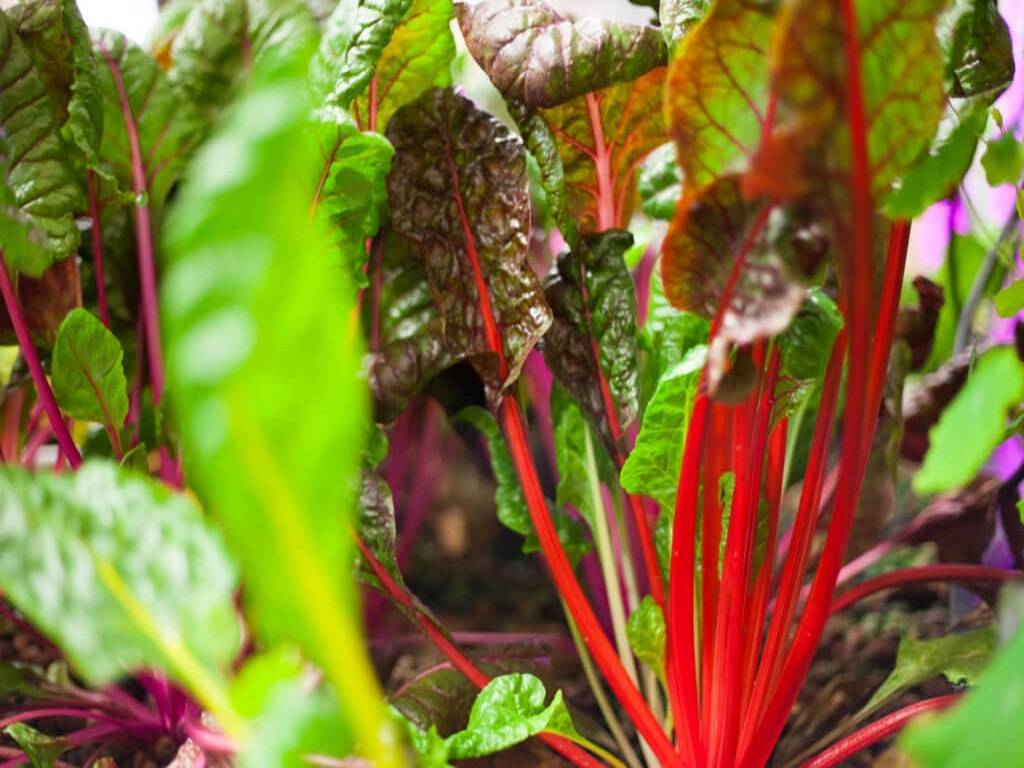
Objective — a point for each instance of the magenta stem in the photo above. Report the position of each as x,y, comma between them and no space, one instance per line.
28,350
97,248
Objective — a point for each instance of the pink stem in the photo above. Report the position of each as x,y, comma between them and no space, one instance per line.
97,248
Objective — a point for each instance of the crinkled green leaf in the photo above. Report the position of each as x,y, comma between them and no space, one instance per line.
1010,300
58,40
591,343
509,710
646,632
220,41
41,749
168,126
535,56
88,371
417,58
959,656
973,424
807,344
459,194
407,344
678,17
660,183
508,494
717,90
1003,160
652,469
38,195
978,48
602,138
118,571
355,36
257,320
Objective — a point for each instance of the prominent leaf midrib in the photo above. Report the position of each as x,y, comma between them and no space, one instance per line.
95,389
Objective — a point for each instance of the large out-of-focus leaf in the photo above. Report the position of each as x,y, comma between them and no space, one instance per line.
168,126
259,332
980,731
38,196
602,138
88,371
508,494
355,35
717,90
535,56
222,40
58,40
973,424
591,345
959,656
416,58
652,469
407,345
677,17
458,193
119,571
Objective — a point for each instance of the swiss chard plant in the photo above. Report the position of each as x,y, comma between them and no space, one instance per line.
268,278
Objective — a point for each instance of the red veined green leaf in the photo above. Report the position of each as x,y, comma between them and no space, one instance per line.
535,56
459,194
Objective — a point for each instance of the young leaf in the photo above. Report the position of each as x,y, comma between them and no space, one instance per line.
167,125
509,710
88,371
259,331
459,195
1003,160
602,138
1010,300
536,57
220,42
717,90
119,572
415,59
377,521
508,494
652,469
58,40
646,632
959,656
591,344
41,749
37,190
973,424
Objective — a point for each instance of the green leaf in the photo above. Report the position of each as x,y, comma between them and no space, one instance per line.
978,49
1003,160
221,41
668,334
807,344
981,730
652,469
508,711
355,36
41,749
591,343
508,495
973,424
1010,300
416,58
120,573
646,632
459,194
259,330
571,456
168,126
58,40
88,371
377,521
660,183
960,657
535,56
38,195
678,17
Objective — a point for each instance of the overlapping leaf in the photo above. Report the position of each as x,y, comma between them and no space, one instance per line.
38,194
459,195
591,345
536,57
88,371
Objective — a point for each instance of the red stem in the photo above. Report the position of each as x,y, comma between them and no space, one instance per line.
876,731
97,248
28,350
943,572
439,637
